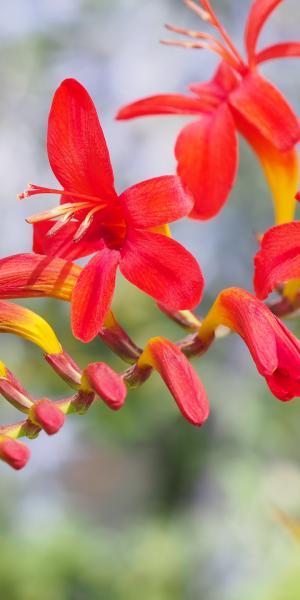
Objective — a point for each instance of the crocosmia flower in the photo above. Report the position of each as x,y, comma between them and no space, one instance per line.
126,230
237,98
274,349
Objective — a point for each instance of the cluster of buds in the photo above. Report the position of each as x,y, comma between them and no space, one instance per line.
130,231
96,380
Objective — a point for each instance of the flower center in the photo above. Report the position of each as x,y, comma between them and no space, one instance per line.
93,215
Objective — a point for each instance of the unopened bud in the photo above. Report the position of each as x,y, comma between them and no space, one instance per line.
118,340
47,415
106,383
65,367
12,390
178,374
13,452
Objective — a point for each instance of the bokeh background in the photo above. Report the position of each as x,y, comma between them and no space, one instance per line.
139,504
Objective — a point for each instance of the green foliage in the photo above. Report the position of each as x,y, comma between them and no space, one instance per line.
146,562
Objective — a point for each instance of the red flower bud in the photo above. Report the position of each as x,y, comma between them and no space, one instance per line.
65,367
13,391
106,383
14,453
47,415
183,382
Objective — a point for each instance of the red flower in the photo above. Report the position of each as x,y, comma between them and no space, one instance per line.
278,260
124,230
274,349
236,98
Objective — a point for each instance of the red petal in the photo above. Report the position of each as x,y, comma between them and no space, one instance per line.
178,374
264,107
259,13
93,293
76,145
29,275
162,268
165,104
278,260
206,151
284,50
223,82
285,381
156,201
61,244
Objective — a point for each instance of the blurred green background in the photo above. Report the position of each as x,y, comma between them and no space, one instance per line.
139,504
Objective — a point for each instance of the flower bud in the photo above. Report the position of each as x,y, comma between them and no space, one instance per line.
106,383
13,452
183,382
65,367
12,390
118,340
47,415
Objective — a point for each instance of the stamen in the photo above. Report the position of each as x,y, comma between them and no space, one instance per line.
60,224
219,50
194,34
83,227
33,189
203,14
68,207
213,19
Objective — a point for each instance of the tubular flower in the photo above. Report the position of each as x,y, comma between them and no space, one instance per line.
237,98
278,259
120,230
183,382
274,349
